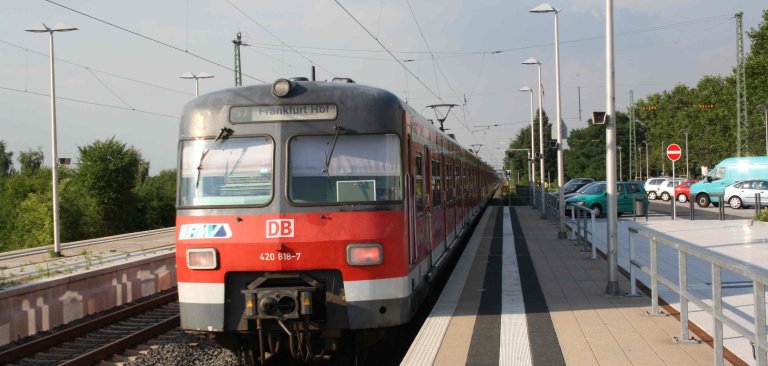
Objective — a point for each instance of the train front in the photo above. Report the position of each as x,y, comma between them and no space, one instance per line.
290,221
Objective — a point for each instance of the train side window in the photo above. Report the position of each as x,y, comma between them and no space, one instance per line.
448,182
436,189
419,185
344,168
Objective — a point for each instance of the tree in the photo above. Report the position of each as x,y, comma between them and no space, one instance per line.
108,171
6,161
31,160
156,197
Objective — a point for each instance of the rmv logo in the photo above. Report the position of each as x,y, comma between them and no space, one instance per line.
205,231
280,228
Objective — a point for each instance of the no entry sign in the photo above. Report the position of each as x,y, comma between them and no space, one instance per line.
673,152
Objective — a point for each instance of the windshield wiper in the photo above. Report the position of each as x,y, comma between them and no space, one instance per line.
329,153
224,134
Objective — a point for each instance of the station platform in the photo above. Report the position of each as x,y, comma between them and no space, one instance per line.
520,296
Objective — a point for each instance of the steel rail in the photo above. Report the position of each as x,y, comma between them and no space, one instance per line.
58,337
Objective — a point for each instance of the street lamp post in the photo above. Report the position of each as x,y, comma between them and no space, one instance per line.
54,151
612,244
533,61
687,173
532,171
546,8
763,108
197,77
663,156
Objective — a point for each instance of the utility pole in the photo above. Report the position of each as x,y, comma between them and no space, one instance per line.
632,136
238,70
741,87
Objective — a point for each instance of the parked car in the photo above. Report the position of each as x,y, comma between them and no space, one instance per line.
666,190
682,190
574,184
725,173
579,191
652,185
595,197
742,194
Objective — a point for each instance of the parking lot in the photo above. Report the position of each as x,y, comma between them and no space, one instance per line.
683,211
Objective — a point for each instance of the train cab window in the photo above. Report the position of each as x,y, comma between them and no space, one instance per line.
419,184
235,171
335,169
435,174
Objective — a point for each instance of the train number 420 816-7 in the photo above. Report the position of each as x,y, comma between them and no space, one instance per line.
280,256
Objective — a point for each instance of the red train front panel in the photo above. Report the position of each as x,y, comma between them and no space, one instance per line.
254,244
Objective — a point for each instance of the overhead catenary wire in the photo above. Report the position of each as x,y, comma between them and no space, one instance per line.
151,39
89,102
89,68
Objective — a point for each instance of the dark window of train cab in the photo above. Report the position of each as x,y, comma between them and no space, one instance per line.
226,172
344,168
435,174
419,184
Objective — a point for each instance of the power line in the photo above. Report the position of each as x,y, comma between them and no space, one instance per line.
88,68
150,38
387,49
91,103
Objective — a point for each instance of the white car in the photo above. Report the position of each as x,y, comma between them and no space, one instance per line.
652,185
742,194
666,189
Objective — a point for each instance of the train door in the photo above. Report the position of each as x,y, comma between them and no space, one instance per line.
419,211
450,203
437,209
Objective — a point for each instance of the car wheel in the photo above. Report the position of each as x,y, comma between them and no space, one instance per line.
735,202
598,210
682,198
651,195
702,200
665,196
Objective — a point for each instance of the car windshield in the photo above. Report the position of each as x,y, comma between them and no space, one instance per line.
585,187
595,188
361,168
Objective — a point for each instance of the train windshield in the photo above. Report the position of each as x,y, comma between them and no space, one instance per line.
358,168
236,171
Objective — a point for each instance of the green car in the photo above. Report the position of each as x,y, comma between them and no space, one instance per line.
595,197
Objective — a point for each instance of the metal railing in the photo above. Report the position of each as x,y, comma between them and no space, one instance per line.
580,230
717,263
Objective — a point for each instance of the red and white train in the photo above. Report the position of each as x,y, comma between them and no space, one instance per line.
307,211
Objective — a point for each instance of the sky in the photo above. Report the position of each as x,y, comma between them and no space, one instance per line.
118,74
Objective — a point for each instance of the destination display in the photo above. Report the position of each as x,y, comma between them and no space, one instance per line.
273,113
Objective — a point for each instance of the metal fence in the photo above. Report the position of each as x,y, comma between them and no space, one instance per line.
712,305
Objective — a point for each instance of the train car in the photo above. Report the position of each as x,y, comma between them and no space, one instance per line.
307,211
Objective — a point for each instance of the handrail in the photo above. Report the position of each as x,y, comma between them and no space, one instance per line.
717,264
580,231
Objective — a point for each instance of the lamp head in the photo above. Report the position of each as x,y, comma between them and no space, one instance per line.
526,89
531,61
544,8
43,28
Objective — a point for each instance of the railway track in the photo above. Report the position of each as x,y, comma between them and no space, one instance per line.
100,338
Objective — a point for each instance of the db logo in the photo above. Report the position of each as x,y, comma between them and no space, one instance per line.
282,228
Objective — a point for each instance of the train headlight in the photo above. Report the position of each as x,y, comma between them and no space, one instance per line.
365,254
202,258
281,88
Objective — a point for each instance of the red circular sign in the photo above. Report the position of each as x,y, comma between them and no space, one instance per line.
674,152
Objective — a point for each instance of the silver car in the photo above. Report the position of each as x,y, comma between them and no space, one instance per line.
742,194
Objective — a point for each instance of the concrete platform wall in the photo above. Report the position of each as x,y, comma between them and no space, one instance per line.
45,304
